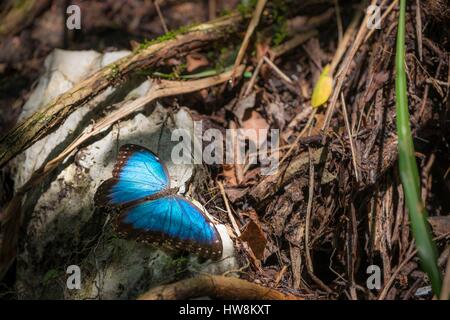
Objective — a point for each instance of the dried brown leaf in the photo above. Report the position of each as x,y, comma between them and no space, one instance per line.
254,235
195,61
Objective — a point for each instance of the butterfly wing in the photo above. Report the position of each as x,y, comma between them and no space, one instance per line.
171,221
138,173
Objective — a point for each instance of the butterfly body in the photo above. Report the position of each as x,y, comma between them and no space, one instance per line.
152,212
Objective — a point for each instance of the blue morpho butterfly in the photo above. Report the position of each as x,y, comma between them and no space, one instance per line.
150,211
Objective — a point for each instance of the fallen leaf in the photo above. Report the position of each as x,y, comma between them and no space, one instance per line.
317,128
254,120
173,62
235,193
323,88
255,238
252,175
195,61
440,224
305,88
276,111
243,105
261,49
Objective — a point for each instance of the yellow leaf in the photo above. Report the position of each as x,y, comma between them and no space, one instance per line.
323,89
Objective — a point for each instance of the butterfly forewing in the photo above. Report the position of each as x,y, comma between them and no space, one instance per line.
137,174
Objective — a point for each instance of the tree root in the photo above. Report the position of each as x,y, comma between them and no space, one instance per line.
53,115
218,287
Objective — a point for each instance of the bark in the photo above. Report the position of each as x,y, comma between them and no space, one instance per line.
17,15
53,115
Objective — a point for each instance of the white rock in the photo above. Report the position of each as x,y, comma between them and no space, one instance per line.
63,226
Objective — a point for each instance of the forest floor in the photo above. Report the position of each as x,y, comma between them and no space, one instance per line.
336,204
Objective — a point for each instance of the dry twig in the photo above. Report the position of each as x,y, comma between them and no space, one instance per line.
251,27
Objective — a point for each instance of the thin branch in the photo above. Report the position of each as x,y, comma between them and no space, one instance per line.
43,122
161,17
212,9
277,70
419,29
350,137
445,292
227,206
339,20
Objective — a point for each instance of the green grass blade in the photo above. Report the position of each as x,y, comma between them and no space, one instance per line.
408,167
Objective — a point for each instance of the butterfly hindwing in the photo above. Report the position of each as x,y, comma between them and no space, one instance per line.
171,221
137,174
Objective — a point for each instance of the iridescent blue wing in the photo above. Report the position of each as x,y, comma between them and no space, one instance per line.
137,174
171,221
